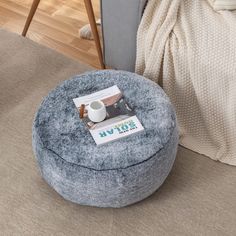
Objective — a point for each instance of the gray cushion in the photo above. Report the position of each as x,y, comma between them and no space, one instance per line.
120,21
115,174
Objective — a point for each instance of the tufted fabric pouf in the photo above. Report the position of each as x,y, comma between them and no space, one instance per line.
115,174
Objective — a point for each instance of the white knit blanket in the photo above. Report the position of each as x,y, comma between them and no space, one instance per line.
191,50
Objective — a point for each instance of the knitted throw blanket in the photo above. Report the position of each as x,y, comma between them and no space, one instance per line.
191,50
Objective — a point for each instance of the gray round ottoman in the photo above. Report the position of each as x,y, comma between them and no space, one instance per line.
115,174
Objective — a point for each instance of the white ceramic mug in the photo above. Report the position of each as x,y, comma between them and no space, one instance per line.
97,111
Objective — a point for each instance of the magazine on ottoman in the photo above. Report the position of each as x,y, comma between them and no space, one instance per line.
120,120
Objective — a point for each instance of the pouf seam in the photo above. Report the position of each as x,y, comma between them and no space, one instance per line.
89,168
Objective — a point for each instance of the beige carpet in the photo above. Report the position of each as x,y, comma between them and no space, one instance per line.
198,198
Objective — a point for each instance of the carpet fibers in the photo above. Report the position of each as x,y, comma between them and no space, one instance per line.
198,197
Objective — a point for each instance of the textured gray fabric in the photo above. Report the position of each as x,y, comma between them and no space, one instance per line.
115,174
120,21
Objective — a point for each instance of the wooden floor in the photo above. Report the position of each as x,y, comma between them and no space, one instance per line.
55,24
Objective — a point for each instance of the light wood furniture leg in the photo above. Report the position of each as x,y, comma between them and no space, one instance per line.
30,16
92,22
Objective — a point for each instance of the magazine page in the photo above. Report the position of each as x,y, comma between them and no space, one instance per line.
117,130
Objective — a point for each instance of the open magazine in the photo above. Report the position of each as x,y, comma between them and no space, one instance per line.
120,120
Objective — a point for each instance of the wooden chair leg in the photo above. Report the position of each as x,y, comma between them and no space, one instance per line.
92,21
30,16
